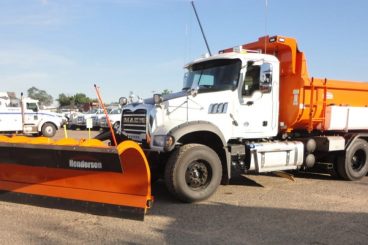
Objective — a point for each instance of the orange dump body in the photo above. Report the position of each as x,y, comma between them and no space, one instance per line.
68,169
303,100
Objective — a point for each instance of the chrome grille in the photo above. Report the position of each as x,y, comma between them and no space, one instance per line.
80,119
95,120
103,122
134,122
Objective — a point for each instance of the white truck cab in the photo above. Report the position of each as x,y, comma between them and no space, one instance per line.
25,116
226,99
114,117
94,114
220,93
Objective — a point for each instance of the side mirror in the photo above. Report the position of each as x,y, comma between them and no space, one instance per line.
186,82
123,101
265,84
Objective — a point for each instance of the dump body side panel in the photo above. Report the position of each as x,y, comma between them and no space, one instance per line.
303,100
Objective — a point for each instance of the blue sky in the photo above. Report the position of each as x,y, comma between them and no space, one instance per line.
65,46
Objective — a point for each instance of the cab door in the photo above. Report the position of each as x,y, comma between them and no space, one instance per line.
258,101
31,116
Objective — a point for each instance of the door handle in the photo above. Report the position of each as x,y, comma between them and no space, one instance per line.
249,103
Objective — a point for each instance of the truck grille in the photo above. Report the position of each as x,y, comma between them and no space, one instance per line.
80,119
95,120
134,122
103,122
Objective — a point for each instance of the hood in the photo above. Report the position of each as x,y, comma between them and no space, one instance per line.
167,97
50,113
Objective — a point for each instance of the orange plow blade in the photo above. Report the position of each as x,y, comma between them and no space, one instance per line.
112,181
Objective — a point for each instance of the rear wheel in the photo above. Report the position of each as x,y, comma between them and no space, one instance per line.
193,172
48,130
354,165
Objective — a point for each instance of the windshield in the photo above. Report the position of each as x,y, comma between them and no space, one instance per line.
221,74
115,111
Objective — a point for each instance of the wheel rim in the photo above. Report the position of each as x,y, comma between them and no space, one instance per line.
198,175
116,126
358,160
49,130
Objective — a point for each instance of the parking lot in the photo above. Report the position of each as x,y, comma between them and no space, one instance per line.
253,209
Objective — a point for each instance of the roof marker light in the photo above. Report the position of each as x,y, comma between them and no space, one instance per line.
239,49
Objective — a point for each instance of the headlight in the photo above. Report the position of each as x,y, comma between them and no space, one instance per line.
164,141
123,101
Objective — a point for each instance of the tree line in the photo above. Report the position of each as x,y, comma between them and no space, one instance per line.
64,100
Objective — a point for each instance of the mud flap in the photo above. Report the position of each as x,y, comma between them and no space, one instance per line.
113,180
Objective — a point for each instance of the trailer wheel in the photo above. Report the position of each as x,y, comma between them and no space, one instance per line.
354,165
193,172
48,130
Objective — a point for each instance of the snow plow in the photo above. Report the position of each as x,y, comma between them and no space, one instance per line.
40,170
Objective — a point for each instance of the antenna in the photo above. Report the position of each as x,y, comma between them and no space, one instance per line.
200,26
266,31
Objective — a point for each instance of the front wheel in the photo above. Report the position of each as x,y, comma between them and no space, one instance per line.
193,172
116,126
48,130
354,165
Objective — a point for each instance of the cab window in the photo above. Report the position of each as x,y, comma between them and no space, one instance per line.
251,80
213,75
32,106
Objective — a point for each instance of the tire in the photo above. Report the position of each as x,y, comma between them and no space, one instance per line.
116,126
193,172
48,130
354,165
155,175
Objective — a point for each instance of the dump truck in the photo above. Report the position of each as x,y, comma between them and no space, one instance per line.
250,108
